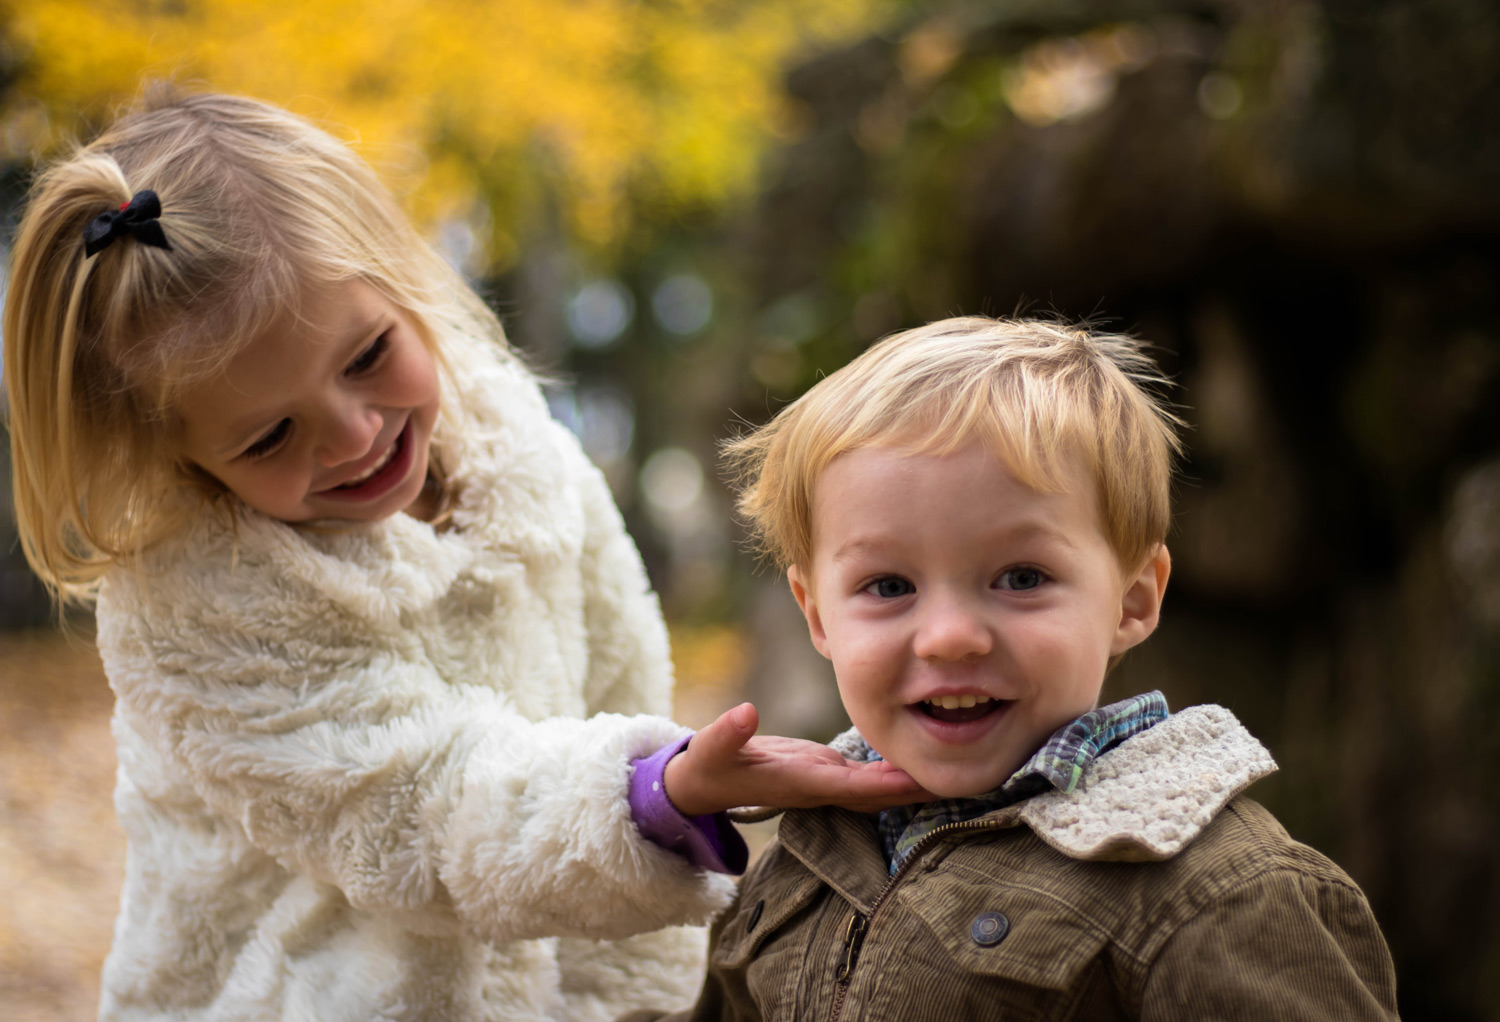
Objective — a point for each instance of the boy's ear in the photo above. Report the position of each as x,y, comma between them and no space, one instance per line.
1140,607
809,607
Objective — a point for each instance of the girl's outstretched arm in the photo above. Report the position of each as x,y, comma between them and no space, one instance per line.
435,805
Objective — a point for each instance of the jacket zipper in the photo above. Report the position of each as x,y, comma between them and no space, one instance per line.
858,925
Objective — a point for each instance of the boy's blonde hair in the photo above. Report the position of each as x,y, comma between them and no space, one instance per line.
260,208
1036,392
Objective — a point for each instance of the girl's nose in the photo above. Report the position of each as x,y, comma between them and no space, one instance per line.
347,433
952,630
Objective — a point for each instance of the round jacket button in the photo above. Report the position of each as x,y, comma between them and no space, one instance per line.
989,928
760,906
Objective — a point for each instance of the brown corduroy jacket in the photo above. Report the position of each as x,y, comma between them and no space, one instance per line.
1153,891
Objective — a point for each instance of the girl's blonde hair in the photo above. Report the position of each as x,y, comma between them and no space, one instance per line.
1036,392
260,209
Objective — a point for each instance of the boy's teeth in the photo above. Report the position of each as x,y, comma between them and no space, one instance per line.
957,702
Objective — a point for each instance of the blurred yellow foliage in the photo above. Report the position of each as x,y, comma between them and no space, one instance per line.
709,657
499,112
711,662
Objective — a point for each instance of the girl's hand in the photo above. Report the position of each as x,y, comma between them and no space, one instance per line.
725,766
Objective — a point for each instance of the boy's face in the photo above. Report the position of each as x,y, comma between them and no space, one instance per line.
967,616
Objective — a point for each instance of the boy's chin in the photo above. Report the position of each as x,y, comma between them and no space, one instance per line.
955,782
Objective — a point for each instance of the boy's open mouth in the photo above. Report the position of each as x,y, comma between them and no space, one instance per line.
960,709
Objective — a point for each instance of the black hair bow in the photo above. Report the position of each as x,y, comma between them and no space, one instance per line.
137,218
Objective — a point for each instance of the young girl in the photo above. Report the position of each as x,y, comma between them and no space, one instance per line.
372,622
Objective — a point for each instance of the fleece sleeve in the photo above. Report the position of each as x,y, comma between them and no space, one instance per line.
1282,946
433,803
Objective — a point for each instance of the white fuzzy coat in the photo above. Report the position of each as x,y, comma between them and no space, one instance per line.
381,773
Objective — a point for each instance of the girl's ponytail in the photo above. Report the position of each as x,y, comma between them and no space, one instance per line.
67,437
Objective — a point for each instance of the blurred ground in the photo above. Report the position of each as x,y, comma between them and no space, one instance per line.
62,855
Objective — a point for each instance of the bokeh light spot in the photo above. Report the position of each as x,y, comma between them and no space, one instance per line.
683,304
600,313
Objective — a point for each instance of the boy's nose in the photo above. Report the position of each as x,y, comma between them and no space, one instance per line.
348,432
951,630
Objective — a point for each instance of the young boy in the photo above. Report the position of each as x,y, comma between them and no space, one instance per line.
972,517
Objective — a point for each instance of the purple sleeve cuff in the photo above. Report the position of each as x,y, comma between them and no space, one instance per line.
710,842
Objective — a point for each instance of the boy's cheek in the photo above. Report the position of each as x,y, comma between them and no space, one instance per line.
864,669
1045,643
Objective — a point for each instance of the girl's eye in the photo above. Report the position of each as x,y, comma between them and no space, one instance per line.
366,359
268,443
1020,579
891,587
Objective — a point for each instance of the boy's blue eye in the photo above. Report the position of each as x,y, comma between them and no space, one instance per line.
268,443
890,588
1020,579
366,359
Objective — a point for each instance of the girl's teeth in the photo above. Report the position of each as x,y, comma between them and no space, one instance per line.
957,702
382,463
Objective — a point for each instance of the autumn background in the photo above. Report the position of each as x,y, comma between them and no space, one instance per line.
688,210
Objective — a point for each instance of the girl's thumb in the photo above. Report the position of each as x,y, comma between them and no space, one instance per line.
728,734
745,719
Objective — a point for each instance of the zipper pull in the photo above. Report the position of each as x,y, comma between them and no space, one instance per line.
854,936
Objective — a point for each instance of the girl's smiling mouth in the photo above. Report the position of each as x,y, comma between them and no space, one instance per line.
380,478
367,473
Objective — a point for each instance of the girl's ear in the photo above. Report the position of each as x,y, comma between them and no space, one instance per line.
809,605
1140,606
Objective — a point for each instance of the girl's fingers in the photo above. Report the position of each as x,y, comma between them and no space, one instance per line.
862,787
890,788
722,768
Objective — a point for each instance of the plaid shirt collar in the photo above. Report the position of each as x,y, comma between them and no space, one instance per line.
1059,764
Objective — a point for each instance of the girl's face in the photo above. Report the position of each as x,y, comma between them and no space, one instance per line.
330,417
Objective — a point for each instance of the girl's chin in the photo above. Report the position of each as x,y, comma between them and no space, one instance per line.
406,498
